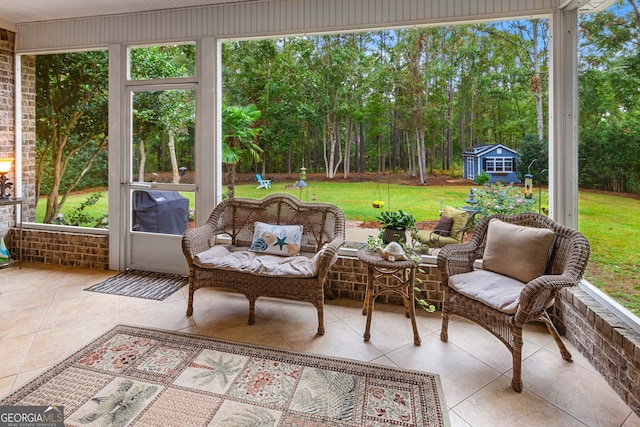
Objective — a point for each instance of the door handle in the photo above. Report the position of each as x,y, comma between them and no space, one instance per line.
140,185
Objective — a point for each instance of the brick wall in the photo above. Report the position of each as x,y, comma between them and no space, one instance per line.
61,248
348,279
611,346
7,118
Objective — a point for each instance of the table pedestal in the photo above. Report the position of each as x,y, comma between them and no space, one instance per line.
389,277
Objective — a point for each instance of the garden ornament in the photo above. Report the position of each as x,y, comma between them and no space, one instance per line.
393,252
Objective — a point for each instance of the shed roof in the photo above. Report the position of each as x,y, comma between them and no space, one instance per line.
479,150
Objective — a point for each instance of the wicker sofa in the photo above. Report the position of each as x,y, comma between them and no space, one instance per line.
222,253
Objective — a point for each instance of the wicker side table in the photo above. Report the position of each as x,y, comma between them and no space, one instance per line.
388,277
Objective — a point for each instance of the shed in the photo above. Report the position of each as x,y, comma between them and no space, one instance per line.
164,212
497,160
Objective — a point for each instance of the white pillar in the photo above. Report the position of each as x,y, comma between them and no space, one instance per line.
117,113
208,130
563,118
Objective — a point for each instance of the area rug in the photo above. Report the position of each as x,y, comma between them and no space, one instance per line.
144,377
141,284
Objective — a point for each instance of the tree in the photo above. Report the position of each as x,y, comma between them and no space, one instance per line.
163,118
609,102
71,126
238,138
534,152
390,100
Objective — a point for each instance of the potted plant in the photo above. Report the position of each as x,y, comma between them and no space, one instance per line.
394,225
378,204
375,242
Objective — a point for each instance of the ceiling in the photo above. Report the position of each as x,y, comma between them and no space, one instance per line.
13,12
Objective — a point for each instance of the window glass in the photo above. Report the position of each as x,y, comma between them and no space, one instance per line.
163,136
162,62
71,139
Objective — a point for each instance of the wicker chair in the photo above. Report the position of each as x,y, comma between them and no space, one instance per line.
528,301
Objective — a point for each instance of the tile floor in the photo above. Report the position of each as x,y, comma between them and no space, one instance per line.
45,315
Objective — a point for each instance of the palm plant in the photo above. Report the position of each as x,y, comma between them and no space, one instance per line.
239,138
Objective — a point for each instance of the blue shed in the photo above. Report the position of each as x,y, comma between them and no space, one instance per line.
498,161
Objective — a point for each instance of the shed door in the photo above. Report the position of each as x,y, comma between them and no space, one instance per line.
470,169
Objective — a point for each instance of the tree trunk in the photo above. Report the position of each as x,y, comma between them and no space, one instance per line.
174,161
422,158
636,11
450,127
143,160
363,151
163,154
330,161
536,82
347,150
461,125
337,162
231,180
471,113
411,155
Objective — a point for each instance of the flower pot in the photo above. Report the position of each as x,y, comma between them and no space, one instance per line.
390,235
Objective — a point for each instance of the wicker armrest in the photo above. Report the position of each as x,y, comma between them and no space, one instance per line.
538,294
197,240
456,259
329,252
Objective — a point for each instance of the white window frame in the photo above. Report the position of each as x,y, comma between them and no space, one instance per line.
493,165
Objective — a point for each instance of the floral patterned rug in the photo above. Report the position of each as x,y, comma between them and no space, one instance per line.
146,377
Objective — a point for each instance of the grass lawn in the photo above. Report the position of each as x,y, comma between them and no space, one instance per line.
423,202
609,222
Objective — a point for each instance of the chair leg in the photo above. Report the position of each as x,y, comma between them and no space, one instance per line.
190,302
320,318
516,380
328,292
444,332
252,309
566,355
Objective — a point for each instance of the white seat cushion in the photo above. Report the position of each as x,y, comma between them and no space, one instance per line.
229,258
493,289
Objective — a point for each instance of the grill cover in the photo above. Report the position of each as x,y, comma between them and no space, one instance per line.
160,212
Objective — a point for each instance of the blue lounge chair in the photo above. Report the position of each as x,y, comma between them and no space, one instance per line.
264,183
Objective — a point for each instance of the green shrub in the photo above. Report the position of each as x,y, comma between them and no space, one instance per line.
502,199
80,216
482,178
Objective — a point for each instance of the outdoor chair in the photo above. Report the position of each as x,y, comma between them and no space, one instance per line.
526,260
450,229
263,183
